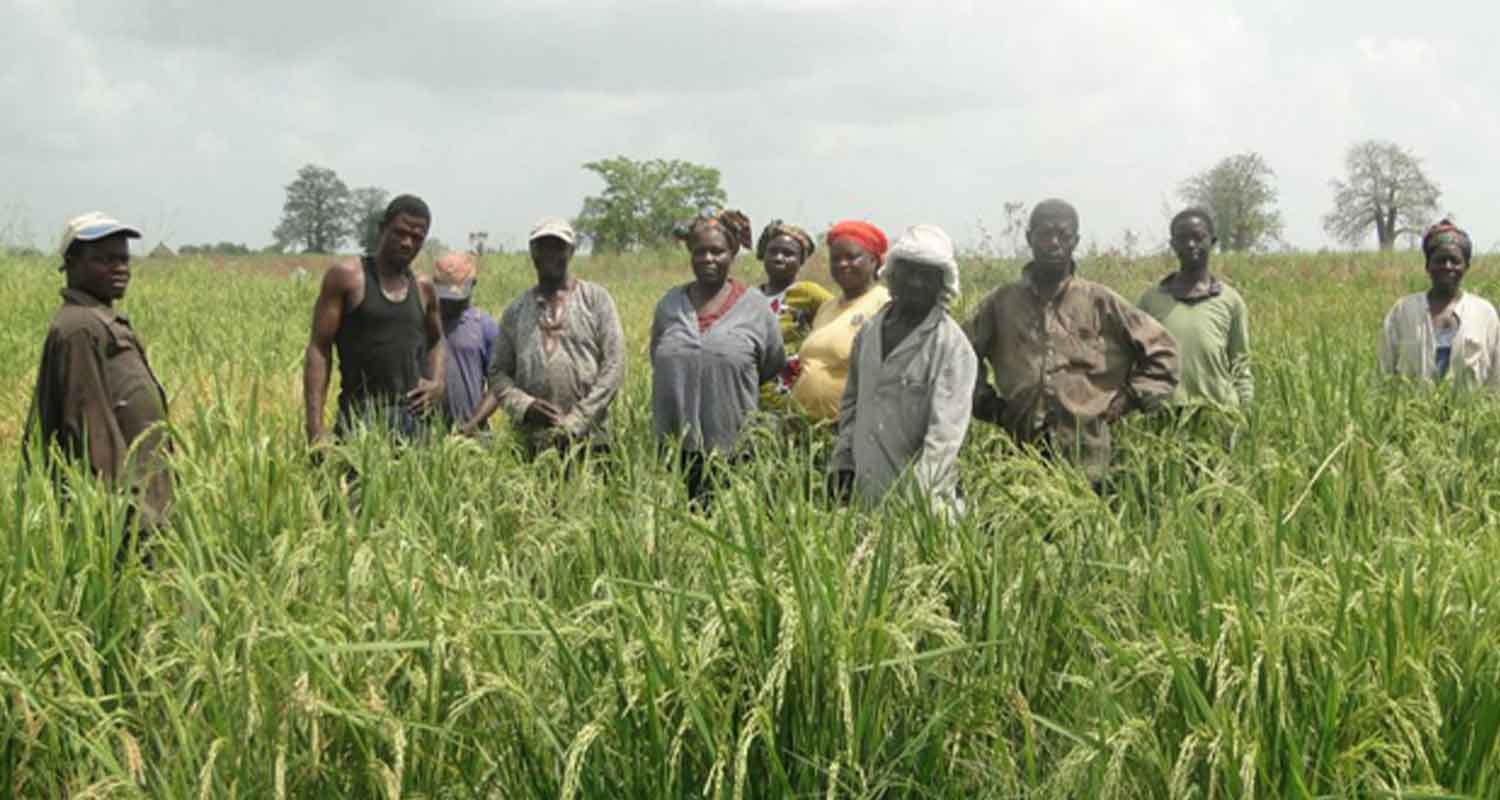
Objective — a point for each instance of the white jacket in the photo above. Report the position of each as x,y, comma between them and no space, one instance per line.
1409,345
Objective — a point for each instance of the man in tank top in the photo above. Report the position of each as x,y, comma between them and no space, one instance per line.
383,321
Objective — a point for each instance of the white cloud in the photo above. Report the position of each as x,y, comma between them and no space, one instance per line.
192,116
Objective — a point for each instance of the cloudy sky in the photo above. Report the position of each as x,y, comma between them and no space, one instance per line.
190,117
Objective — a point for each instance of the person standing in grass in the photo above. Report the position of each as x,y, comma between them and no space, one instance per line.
1206,317
469,335
560,357
1070,357
784,248
383,320
855,252
1444,332
97,400
907,401
714,341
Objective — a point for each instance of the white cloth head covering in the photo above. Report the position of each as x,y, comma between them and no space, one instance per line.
926,245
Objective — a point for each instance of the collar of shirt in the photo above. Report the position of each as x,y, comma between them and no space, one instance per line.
74,297
558,298
1028,279
1214,289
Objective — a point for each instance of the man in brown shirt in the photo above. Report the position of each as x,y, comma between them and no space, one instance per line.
1069,356
96,397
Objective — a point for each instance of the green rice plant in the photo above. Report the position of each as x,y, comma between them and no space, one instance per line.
1298,603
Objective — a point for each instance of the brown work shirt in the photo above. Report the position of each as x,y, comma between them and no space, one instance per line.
1059,362
96,396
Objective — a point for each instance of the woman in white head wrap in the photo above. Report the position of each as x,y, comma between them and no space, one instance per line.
909,394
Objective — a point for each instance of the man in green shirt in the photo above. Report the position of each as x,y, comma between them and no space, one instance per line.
1206,316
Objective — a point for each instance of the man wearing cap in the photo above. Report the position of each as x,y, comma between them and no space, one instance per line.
560,357
96,397
468,333
383,320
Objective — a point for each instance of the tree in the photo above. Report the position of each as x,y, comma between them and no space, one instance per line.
1240,194
316,212
643,199
366,208
1385,188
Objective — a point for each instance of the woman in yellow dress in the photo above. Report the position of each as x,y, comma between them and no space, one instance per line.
855,252
784,248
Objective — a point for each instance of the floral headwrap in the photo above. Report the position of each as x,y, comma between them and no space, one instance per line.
1445,232
871,238
734,224
779,228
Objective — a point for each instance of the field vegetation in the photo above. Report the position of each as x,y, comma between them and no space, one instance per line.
1300,606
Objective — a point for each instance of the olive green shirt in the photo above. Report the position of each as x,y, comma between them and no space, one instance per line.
1213,343
96,398
1059,361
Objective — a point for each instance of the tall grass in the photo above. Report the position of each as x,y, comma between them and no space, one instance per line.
1302,606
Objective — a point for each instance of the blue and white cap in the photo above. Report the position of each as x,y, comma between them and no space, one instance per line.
93,226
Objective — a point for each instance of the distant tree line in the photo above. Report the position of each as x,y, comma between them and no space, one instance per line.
1384,192
220,249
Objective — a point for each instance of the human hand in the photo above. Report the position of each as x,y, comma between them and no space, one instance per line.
426,394
542,414
989,407
841,485
1119,406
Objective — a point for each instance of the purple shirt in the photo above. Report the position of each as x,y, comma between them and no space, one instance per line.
471,341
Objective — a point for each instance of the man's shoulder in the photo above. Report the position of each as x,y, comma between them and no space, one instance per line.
73,320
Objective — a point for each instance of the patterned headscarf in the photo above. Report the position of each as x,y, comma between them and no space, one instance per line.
779,228
1445,232
871,238
734,224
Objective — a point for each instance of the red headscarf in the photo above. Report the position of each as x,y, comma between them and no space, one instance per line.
871,238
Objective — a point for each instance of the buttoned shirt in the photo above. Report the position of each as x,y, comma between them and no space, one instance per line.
1408,345
904,416
1060,360
96,397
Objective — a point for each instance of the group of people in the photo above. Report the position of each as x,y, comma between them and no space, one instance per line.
1053,359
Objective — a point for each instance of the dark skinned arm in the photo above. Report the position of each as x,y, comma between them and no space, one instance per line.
429,389
328,315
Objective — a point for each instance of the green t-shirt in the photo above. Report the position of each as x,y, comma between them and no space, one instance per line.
1213,345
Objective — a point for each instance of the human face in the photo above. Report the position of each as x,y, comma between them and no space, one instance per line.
1192,241
401,239
712,256
550,256
1446,267
853,266
915,288
784,259
100,268
1052,240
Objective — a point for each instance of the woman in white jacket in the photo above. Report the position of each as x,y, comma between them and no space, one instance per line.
1444,333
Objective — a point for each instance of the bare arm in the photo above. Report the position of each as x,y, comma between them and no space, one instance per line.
985,402
429,389
328,315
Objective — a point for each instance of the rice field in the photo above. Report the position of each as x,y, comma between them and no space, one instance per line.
1300,606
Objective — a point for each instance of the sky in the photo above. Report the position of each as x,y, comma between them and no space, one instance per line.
189,118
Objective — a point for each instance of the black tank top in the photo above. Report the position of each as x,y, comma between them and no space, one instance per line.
380,347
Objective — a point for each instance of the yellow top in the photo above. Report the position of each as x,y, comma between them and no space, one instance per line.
825,352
